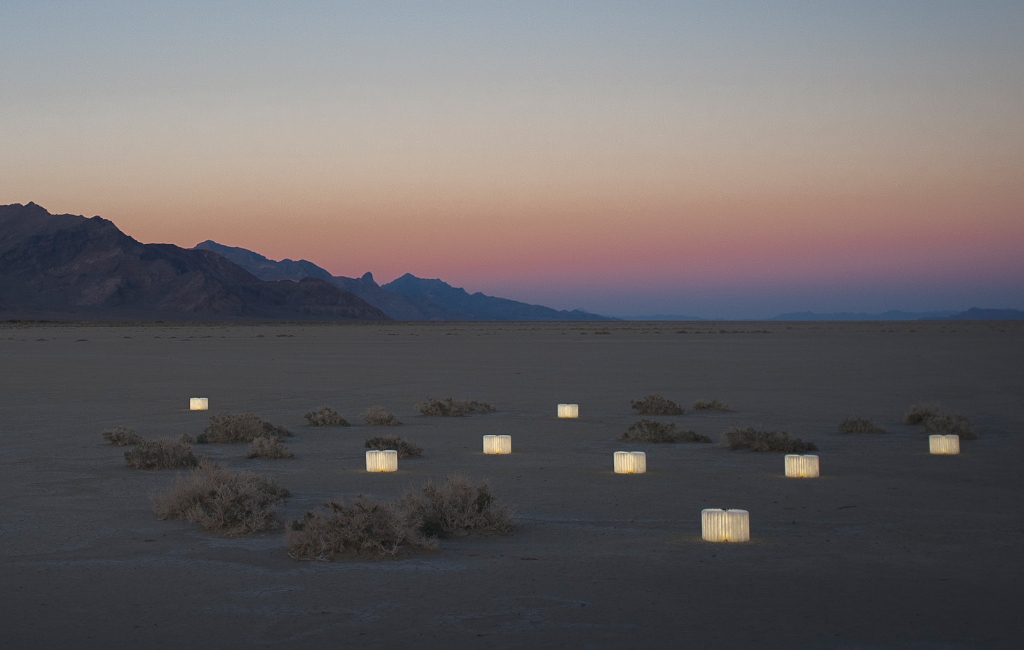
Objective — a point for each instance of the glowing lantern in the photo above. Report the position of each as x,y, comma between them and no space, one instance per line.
198,403
497,444
382,460
717,525
630,462
798,466
568,410
946,445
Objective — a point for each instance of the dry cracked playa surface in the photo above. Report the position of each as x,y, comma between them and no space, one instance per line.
890,548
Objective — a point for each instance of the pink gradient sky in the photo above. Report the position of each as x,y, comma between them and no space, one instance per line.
735,162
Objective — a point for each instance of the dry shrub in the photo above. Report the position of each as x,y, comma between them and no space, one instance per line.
363,526
404,448
859,425
754,440
377,416
360,527
656,405
122,436
950,424
222,501
644,430
920,413
269,448
166,453
456,507
325,416
446,407
710,405
225,428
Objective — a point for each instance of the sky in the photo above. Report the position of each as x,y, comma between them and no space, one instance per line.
712,159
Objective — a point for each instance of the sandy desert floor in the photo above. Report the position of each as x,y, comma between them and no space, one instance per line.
890,548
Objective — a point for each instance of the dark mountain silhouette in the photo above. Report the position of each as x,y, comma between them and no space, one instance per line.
67,266
478,306
395,305
976,313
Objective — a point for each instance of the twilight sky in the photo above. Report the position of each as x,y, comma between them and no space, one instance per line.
727,159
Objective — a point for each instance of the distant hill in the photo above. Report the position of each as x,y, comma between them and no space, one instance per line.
975,313
478,306
395,305
886,315
665,317
66,266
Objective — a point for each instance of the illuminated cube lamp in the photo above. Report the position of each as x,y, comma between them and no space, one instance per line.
798,466
382,460
198,403
717,525
497,444
944,445
568,410
630,462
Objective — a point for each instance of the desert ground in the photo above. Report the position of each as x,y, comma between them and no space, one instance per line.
890,548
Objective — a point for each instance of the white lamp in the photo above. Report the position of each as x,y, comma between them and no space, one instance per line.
717,525
198,403
382,460
497,444
568,410
798,466
944,445
630,462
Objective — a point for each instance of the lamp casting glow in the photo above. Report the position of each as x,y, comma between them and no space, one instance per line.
944,445
497,444
568,410
198,403
630,462
798,466
717,525
382,460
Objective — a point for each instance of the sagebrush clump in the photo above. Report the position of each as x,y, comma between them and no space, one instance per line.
644,430
404,448
950,424
456,507
122,436
166,453
377,416
710,405
226,428
325,416
920,413
447,407
222,501
656,405
269,448
859,425
774,441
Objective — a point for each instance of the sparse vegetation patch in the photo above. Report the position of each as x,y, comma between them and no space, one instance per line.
774,441
710,405
456,507
361,526
404,448
447,407
950,424
377,416
859,425
325,416
644,430
166,453
122,436
656,405
226,428
920,413
269,448
222,501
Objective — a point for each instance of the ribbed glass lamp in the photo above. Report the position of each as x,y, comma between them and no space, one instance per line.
497,444
717,525
944,445
805,466
198,403
385,460
630,462
568,410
